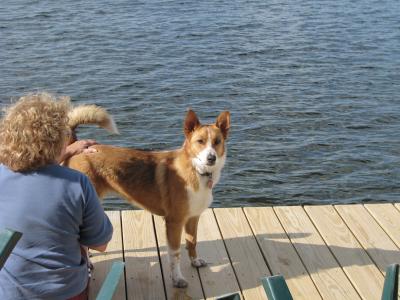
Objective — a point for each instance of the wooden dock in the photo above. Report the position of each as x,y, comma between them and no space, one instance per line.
324,252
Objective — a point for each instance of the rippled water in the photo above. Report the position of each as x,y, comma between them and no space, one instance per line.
313,86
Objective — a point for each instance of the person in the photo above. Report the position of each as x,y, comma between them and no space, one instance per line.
56,208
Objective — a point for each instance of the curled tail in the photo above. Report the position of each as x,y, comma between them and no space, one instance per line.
91,114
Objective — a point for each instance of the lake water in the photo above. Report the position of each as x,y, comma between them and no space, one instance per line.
313,86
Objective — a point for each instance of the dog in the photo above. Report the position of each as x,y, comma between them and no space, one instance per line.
175,184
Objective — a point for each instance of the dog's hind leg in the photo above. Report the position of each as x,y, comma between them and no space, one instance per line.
174,233
191,242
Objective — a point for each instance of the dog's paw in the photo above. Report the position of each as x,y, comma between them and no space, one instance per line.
180,283
198,262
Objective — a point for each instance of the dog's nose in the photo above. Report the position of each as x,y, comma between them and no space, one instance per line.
211,158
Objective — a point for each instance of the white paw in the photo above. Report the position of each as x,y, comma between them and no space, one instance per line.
198,262
179,283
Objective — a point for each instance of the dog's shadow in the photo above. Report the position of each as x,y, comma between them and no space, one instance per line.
147,274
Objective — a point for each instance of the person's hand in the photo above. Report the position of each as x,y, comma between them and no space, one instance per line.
81,146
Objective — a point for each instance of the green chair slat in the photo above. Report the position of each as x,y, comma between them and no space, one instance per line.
276,288
111,282
390,287
8,240
233,296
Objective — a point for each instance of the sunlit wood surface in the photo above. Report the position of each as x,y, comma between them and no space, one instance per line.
324,252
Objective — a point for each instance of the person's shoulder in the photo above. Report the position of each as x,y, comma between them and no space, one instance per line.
4,168
65,172
4,171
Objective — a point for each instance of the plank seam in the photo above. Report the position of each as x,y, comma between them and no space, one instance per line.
377,221
199,274
227,252
201,283
159,256
123,252
258,244
330,250
396,206
362,246
298,254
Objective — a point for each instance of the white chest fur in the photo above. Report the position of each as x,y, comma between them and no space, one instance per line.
199,200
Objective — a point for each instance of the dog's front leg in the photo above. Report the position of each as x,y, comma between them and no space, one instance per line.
191,242
174,232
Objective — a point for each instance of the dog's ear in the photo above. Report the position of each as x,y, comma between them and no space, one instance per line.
191,122
224,123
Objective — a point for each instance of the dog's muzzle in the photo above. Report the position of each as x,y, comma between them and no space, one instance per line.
211,159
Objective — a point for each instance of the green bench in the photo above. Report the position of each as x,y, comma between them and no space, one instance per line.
110,284
9,238
277,289
390,287
233,296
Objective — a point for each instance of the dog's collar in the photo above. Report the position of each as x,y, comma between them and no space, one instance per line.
206,174
210,182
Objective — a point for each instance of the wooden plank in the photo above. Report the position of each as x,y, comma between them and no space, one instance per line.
102,261
245,255
280,253
194,290
360,269
370,234
143,270
327,275
388,218
218,278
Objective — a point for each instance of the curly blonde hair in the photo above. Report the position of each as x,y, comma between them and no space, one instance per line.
33,131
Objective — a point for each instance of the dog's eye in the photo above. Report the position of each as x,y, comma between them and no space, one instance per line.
200,141
217,142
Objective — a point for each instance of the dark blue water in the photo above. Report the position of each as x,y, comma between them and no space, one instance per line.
313,86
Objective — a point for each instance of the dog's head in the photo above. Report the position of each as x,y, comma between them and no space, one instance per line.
206,143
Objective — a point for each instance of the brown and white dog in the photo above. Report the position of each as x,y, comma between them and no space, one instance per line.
176,184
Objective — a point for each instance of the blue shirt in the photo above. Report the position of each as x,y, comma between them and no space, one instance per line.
57,210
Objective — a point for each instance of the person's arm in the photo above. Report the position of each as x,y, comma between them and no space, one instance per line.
96,229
